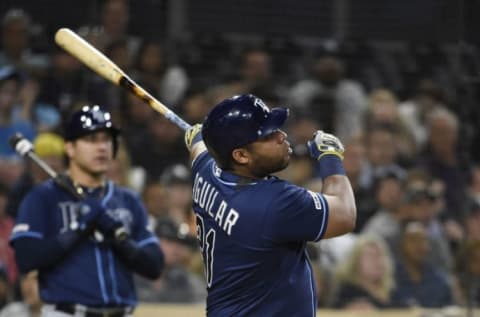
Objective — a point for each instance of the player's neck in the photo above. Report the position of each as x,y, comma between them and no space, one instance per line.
89,180
243,172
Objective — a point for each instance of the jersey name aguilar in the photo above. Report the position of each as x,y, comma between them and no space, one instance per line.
205,195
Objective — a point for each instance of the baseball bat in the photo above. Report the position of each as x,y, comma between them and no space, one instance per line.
103,66
25,148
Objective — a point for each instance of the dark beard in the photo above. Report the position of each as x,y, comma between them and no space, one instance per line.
262,171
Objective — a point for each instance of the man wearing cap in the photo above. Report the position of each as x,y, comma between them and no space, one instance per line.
253,227
86,250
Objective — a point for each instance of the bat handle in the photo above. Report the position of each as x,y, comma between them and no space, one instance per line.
25,148
172,117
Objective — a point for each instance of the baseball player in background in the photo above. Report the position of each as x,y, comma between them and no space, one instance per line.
81,273
253,227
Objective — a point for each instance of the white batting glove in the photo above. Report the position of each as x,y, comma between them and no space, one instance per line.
323,144
193,135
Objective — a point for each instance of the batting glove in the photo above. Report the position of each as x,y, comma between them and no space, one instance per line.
193,136
111,227
325,144
90,209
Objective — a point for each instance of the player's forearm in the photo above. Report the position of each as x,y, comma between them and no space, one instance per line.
33,253
339,186
196,150
339,194
147,260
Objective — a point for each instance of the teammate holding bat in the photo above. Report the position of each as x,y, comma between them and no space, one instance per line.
79,274
253,227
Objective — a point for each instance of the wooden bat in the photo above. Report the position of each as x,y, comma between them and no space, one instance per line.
103,66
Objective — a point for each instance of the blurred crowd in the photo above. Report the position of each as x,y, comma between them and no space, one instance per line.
411,155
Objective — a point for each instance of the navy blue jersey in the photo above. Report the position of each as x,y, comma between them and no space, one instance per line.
253,236
91,275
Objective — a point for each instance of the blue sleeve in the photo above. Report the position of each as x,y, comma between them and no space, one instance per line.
200,161
34,248
140,233
141,251
296,214
33,215
32,253
147,260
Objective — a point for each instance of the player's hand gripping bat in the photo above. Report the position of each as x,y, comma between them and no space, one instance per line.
25,148
103,66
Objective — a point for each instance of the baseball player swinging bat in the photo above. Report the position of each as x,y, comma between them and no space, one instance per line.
103,66
25,148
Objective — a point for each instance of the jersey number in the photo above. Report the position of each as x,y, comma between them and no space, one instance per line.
207,244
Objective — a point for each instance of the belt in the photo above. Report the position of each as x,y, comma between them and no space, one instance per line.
92,312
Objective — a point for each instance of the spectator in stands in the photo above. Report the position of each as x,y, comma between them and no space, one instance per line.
253,74
256,73
49,147
473,190
366,277
467,271
136,116
427,211
177,182
7,258
15,44
114,22
354,161
471,223
415,112
170,82
443,160
30,304
64,83
383,110
418,282
328,88
160,147
382,155
154,199
14,118
386,218
194,106
177,284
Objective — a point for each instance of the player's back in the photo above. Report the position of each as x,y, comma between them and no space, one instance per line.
248,272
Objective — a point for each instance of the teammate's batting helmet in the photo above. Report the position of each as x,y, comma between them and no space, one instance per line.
236,122
90,119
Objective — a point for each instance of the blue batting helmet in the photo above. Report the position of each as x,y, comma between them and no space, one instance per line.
90,119
238,121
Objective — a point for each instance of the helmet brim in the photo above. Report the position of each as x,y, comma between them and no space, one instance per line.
275,121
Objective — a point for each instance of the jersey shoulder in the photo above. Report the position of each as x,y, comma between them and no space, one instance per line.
125,191
47,188
287,195
201,161
127,195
